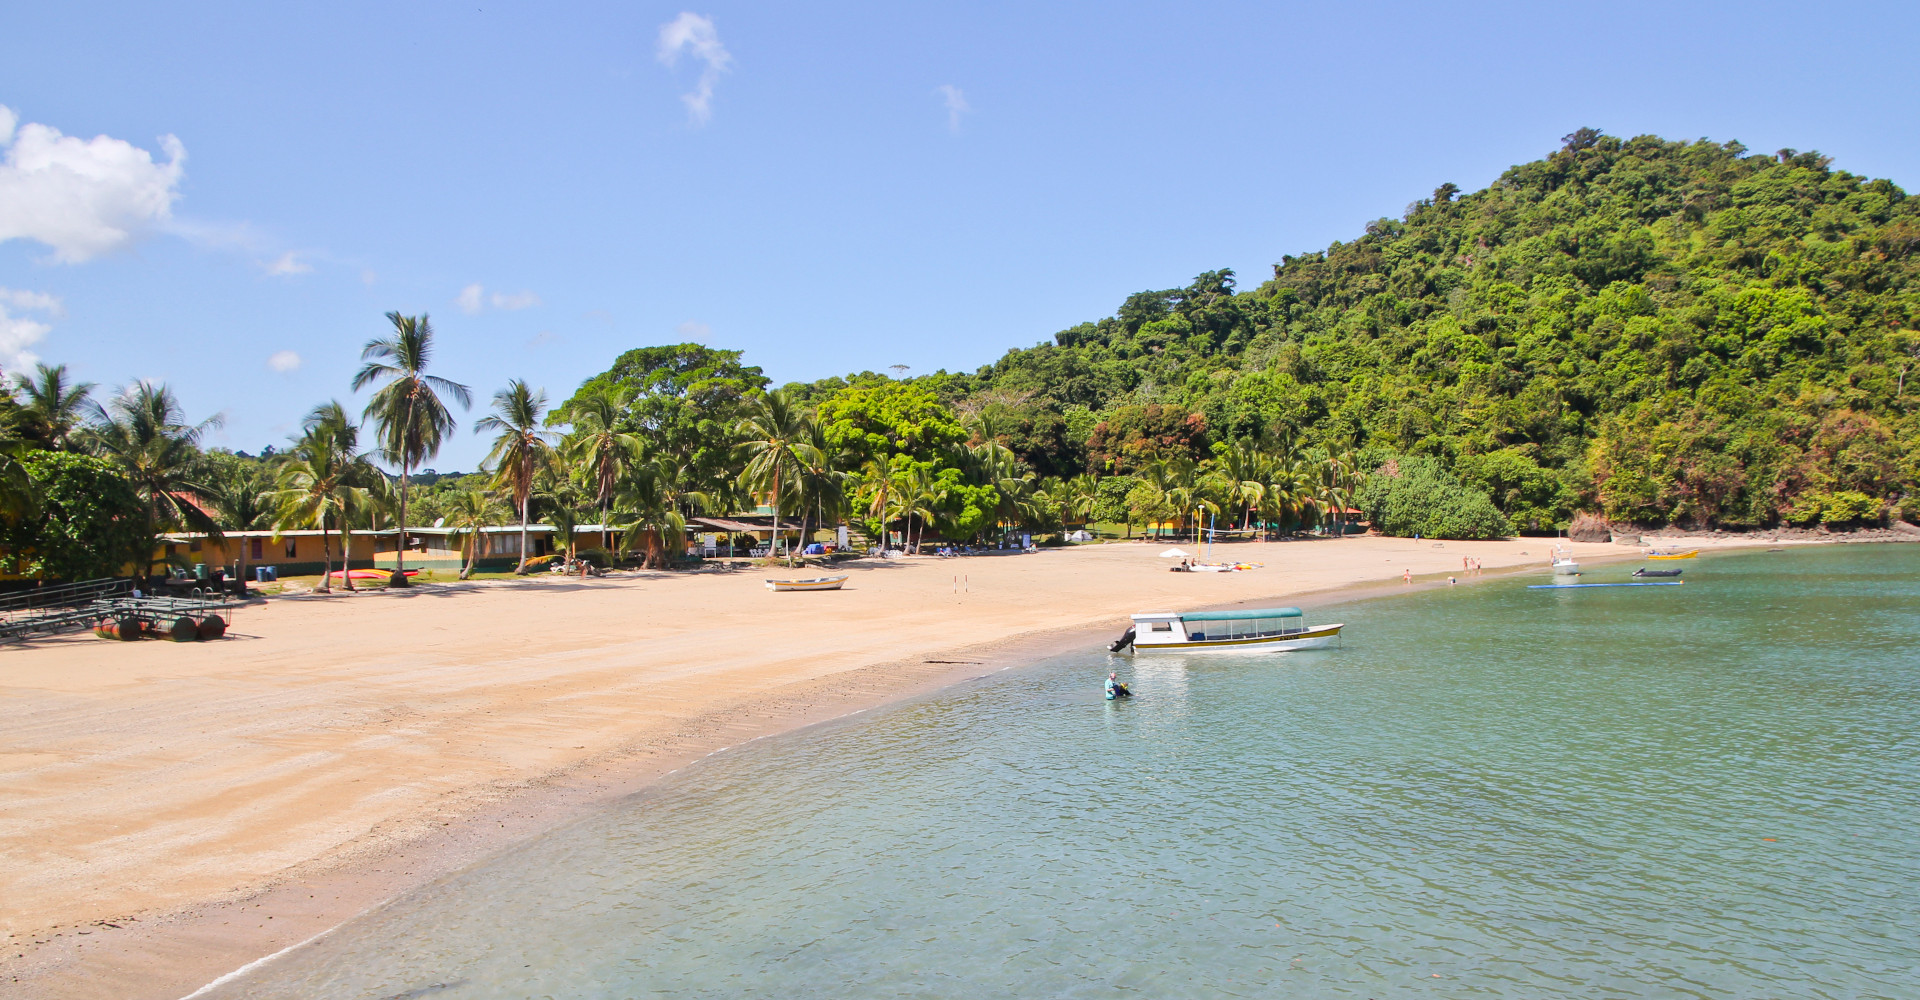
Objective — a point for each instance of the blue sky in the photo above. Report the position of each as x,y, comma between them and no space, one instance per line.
830,187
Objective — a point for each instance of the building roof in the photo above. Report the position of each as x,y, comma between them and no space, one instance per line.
189,536
509,529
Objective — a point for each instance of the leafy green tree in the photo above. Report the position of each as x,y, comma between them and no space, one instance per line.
87,522
1113,501
1134,437
407,414
684,399
879,417
1416,496
1525,492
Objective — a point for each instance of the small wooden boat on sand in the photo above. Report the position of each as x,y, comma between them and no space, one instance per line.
814,583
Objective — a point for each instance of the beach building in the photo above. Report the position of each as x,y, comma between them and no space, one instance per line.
738,535
445,548
293,553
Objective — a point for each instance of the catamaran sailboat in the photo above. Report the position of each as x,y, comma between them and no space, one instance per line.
1266,629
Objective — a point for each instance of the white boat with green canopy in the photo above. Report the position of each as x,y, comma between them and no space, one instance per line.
1258,629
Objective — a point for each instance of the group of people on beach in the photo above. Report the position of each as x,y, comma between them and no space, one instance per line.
1469,566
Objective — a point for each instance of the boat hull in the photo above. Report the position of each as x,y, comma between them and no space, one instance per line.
1313,638
1673,555
824,583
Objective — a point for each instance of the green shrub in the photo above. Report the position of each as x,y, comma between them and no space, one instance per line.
90,523
1837,507
1416,496
1528,494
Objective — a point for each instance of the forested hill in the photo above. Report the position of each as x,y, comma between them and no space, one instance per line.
1662,331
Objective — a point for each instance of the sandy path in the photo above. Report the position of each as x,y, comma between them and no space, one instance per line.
138,781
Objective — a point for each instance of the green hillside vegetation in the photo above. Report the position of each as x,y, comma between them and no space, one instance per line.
1658,331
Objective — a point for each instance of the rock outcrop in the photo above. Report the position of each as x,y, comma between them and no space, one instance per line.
1589,528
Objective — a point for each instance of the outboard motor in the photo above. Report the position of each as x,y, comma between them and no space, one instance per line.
1121,643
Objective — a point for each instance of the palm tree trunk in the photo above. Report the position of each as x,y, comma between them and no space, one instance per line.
473,554
525,502
406,466
326,557
346,552
775,541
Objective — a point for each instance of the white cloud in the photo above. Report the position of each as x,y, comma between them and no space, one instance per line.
692,33
283,361
80,197
693,329
17,333
288,263
474,298
956,101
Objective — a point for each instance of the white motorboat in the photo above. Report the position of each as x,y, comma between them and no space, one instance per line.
1563,564
1256,630
814,583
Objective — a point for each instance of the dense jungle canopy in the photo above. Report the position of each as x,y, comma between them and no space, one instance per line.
1659,331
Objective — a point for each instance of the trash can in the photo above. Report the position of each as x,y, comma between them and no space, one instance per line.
265,574
200,572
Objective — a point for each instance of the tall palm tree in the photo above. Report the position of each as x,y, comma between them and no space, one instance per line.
312,491
330,420
1244,467
1079,495
144,431
471,513
776,441
820,487
598,447
1289,491
649,504
521,450
880,474
407,413
53,408
921,498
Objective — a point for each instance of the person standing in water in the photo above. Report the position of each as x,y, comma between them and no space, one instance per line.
1115,689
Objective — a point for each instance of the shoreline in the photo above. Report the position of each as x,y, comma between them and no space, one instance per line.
168,954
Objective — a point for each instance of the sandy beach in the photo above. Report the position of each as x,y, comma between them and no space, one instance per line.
174,811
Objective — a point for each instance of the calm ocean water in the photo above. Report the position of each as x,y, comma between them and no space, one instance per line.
1701,791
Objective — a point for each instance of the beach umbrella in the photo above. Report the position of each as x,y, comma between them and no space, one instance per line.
1173,554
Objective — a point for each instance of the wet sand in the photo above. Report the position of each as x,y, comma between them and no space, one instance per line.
171,812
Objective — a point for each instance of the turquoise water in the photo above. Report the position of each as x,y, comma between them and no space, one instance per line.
1700,791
